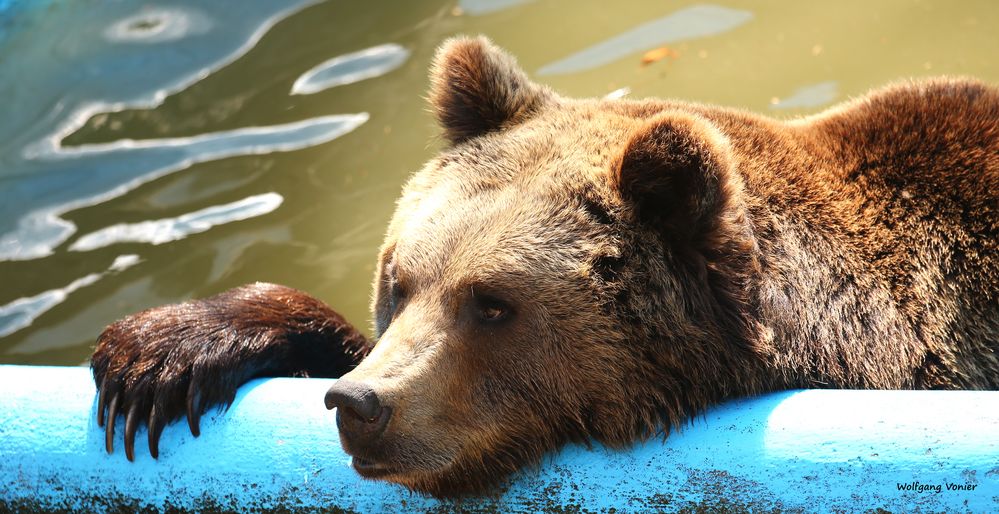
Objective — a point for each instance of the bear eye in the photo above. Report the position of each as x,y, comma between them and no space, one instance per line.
388,304
491,309
396,291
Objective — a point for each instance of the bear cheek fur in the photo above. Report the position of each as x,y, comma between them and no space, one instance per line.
683,286
527,398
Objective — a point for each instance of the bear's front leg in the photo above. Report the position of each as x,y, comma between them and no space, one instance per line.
156,365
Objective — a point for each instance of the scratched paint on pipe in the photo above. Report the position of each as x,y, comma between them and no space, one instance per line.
276,450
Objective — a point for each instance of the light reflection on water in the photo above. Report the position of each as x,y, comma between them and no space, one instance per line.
481,7
171,133
814,95
350,68
86,69
172,229
688,23
75,177
158,24
44,179
21,312
81,71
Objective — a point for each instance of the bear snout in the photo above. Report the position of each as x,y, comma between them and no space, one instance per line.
360,416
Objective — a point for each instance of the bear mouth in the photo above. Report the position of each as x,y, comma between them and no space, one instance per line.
371,469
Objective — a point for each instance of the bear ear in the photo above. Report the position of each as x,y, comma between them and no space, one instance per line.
477,88
676,170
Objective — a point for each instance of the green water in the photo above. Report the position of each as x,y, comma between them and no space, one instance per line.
336,190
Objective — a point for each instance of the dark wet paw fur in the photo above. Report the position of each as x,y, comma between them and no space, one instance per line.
164,363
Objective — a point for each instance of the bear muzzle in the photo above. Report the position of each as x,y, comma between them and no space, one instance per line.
360,417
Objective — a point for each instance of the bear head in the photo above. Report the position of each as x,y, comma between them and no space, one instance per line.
563,271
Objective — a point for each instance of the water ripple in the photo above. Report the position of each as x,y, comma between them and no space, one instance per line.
159,24
172,229
22,312
808,96
350,68
80,176
480,7
689,23
121,56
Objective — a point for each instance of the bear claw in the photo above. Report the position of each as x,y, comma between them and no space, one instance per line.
109,428
131,425
193,413
155,429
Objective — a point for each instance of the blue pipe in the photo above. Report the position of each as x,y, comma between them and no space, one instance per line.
276,449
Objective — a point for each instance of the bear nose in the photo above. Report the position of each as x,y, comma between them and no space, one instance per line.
360,416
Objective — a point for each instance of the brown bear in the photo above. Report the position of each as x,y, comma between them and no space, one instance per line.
577,270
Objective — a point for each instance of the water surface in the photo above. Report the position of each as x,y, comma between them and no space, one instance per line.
153,152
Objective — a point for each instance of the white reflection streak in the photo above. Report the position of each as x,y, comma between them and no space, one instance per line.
618,94
688,23
349,68
22,312
480,7
172,229
218,145
808,96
